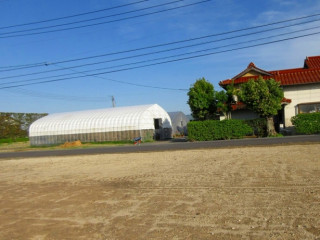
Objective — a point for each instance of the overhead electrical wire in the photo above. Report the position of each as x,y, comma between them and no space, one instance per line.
89,20
18,67
161,51
54,96
155,59
22,66
129,83
165,62
100,23
128,66
84,73
12,68
74,15
82,98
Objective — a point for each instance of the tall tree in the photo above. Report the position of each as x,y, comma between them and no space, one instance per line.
10,127
225,99
202,100
222,99
263,97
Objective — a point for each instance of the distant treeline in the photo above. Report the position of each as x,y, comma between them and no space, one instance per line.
16,125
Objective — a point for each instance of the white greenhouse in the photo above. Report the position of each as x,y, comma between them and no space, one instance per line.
110,124
179,122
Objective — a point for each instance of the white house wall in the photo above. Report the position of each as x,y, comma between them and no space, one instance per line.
299,94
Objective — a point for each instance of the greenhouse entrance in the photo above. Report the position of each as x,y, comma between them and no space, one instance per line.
158,128
161,130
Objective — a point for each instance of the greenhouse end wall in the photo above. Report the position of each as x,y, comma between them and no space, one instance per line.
146,135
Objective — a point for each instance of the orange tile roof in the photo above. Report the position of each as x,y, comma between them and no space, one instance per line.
296,76
241,105
312,62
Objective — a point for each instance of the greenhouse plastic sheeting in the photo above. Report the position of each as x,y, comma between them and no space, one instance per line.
100,120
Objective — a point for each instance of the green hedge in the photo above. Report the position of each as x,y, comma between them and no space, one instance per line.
307,123
217,130
259,126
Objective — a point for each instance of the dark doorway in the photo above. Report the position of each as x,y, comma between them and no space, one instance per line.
157,123
157,127
279,119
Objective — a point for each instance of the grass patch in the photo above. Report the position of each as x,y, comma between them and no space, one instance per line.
111,142
11,140
277,135
24,145
46,146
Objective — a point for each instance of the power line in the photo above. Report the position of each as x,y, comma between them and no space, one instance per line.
88,20
75,15
165,62
167,50
128,83
56,96
155,59
106,22
21,66
163,44
84,74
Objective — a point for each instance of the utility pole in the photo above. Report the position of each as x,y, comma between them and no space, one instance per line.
113,102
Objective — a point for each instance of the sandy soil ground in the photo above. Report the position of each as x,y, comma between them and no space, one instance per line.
244,193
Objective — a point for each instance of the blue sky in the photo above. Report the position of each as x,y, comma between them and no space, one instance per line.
167,82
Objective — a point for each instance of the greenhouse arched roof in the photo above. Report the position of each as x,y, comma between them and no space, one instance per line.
100,120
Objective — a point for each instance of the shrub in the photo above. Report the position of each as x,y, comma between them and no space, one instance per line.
217,130
307,123
259,126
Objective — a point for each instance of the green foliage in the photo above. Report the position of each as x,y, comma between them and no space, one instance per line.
10,127
222,99
10,140
15,125
112,142
202,100
259,126
307,123
148,137
217,130
277,135
262,96
225,99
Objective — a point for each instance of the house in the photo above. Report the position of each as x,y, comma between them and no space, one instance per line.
301,87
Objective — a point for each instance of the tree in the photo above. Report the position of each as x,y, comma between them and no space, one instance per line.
202,100
14,125
10,128
222,99
225,99
263,97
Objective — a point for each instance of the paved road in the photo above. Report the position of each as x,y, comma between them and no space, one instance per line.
166,146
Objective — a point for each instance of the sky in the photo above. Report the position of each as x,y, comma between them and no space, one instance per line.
62,56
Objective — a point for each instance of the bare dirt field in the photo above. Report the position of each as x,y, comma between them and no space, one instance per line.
240,193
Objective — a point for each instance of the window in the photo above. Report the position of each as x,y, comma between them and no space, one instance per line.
309,107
